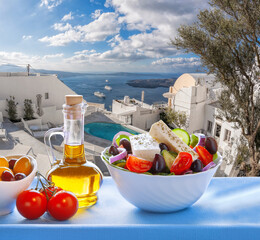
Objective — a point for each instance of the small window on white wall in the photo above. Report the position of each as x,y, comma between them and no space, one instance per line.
217,130
209,127
227,136
46,95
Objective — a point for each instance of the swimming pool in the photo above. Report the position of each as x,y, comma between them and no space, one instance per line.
106,130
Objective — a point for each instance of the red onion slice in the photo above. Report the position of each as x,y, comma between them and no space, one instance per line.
210,165
120,133
122,154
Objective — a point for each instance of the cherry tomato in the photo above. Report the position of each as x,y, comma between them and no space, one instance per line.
182,163
31,204
50,191
204,155
139,165
63,205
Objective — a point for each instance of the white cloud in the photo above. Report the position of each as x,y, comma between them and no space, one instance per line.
63,38
27,37
108,3
96,14
154,24
98,30
62,27
85,51
67,17
17,57
50,4
51,56
186,64
179,61
36,61
163,15
157,22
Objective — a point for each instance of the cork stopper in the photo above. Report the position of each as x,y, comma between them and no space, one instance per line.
73,99
71,108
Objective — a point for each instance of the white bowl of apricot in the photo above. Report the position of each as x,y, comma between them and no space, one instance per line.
16,174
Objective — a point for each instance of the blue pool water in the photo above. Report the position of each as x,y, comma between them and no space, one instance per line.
105,130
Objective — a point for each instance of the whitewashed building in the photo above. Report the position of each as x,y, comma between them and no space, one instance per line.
196,95
136,113
226,134
22,86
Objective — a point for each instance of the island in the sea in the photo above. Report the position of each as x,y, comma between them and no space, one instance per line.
152,83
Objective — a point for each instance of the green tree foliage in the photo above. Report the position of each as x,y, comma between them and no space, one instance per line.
11,108
170,116
227,39
28,109
242,151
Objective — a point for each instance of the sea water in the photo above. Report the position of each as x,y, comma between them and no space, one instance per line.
87,84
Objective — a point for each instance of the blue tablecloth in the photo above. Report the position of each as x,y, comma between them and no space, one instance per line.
229,209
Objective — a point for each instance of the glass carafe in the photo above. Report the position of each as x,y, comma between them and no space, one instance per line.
74,173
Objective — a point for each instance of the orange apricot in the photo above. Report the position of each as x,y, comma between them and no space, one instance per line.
3,162
23,165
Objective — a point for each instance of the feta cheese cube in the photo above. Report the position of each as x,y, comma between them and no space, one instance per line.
144,146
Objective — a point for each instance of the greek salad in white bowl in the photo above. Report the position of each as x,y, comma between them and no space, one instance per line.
164,170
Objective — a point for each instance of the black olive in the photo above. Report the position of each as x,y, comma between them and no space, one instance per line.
211,145
158,164
196,166
126,144
113,150
163,146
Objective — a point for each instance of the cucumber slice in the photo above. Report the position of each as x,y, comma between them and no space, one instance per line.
194,140
215,156
172,173
183,135
174,154
169,158
120,163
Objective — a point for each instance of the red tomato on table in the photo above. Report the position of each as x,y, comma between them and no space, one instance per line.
138,165
182,163
31,204
63,205
204,155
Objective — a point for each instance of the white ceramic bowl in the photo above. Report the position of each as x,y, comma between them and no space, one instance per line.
10,190
157,193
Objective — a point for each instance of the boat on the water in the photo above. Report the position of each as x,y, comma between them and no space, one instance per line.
108,88
106,80
99,94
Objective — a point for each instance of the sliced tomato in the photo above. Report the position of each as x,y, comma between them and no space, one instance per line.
182,163
204,155
138,165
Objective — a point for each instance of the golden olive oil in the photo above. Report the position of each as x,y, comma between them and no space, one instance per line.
76,175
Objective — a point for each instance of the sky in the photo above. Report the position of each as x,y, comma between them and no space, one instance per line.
97,35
